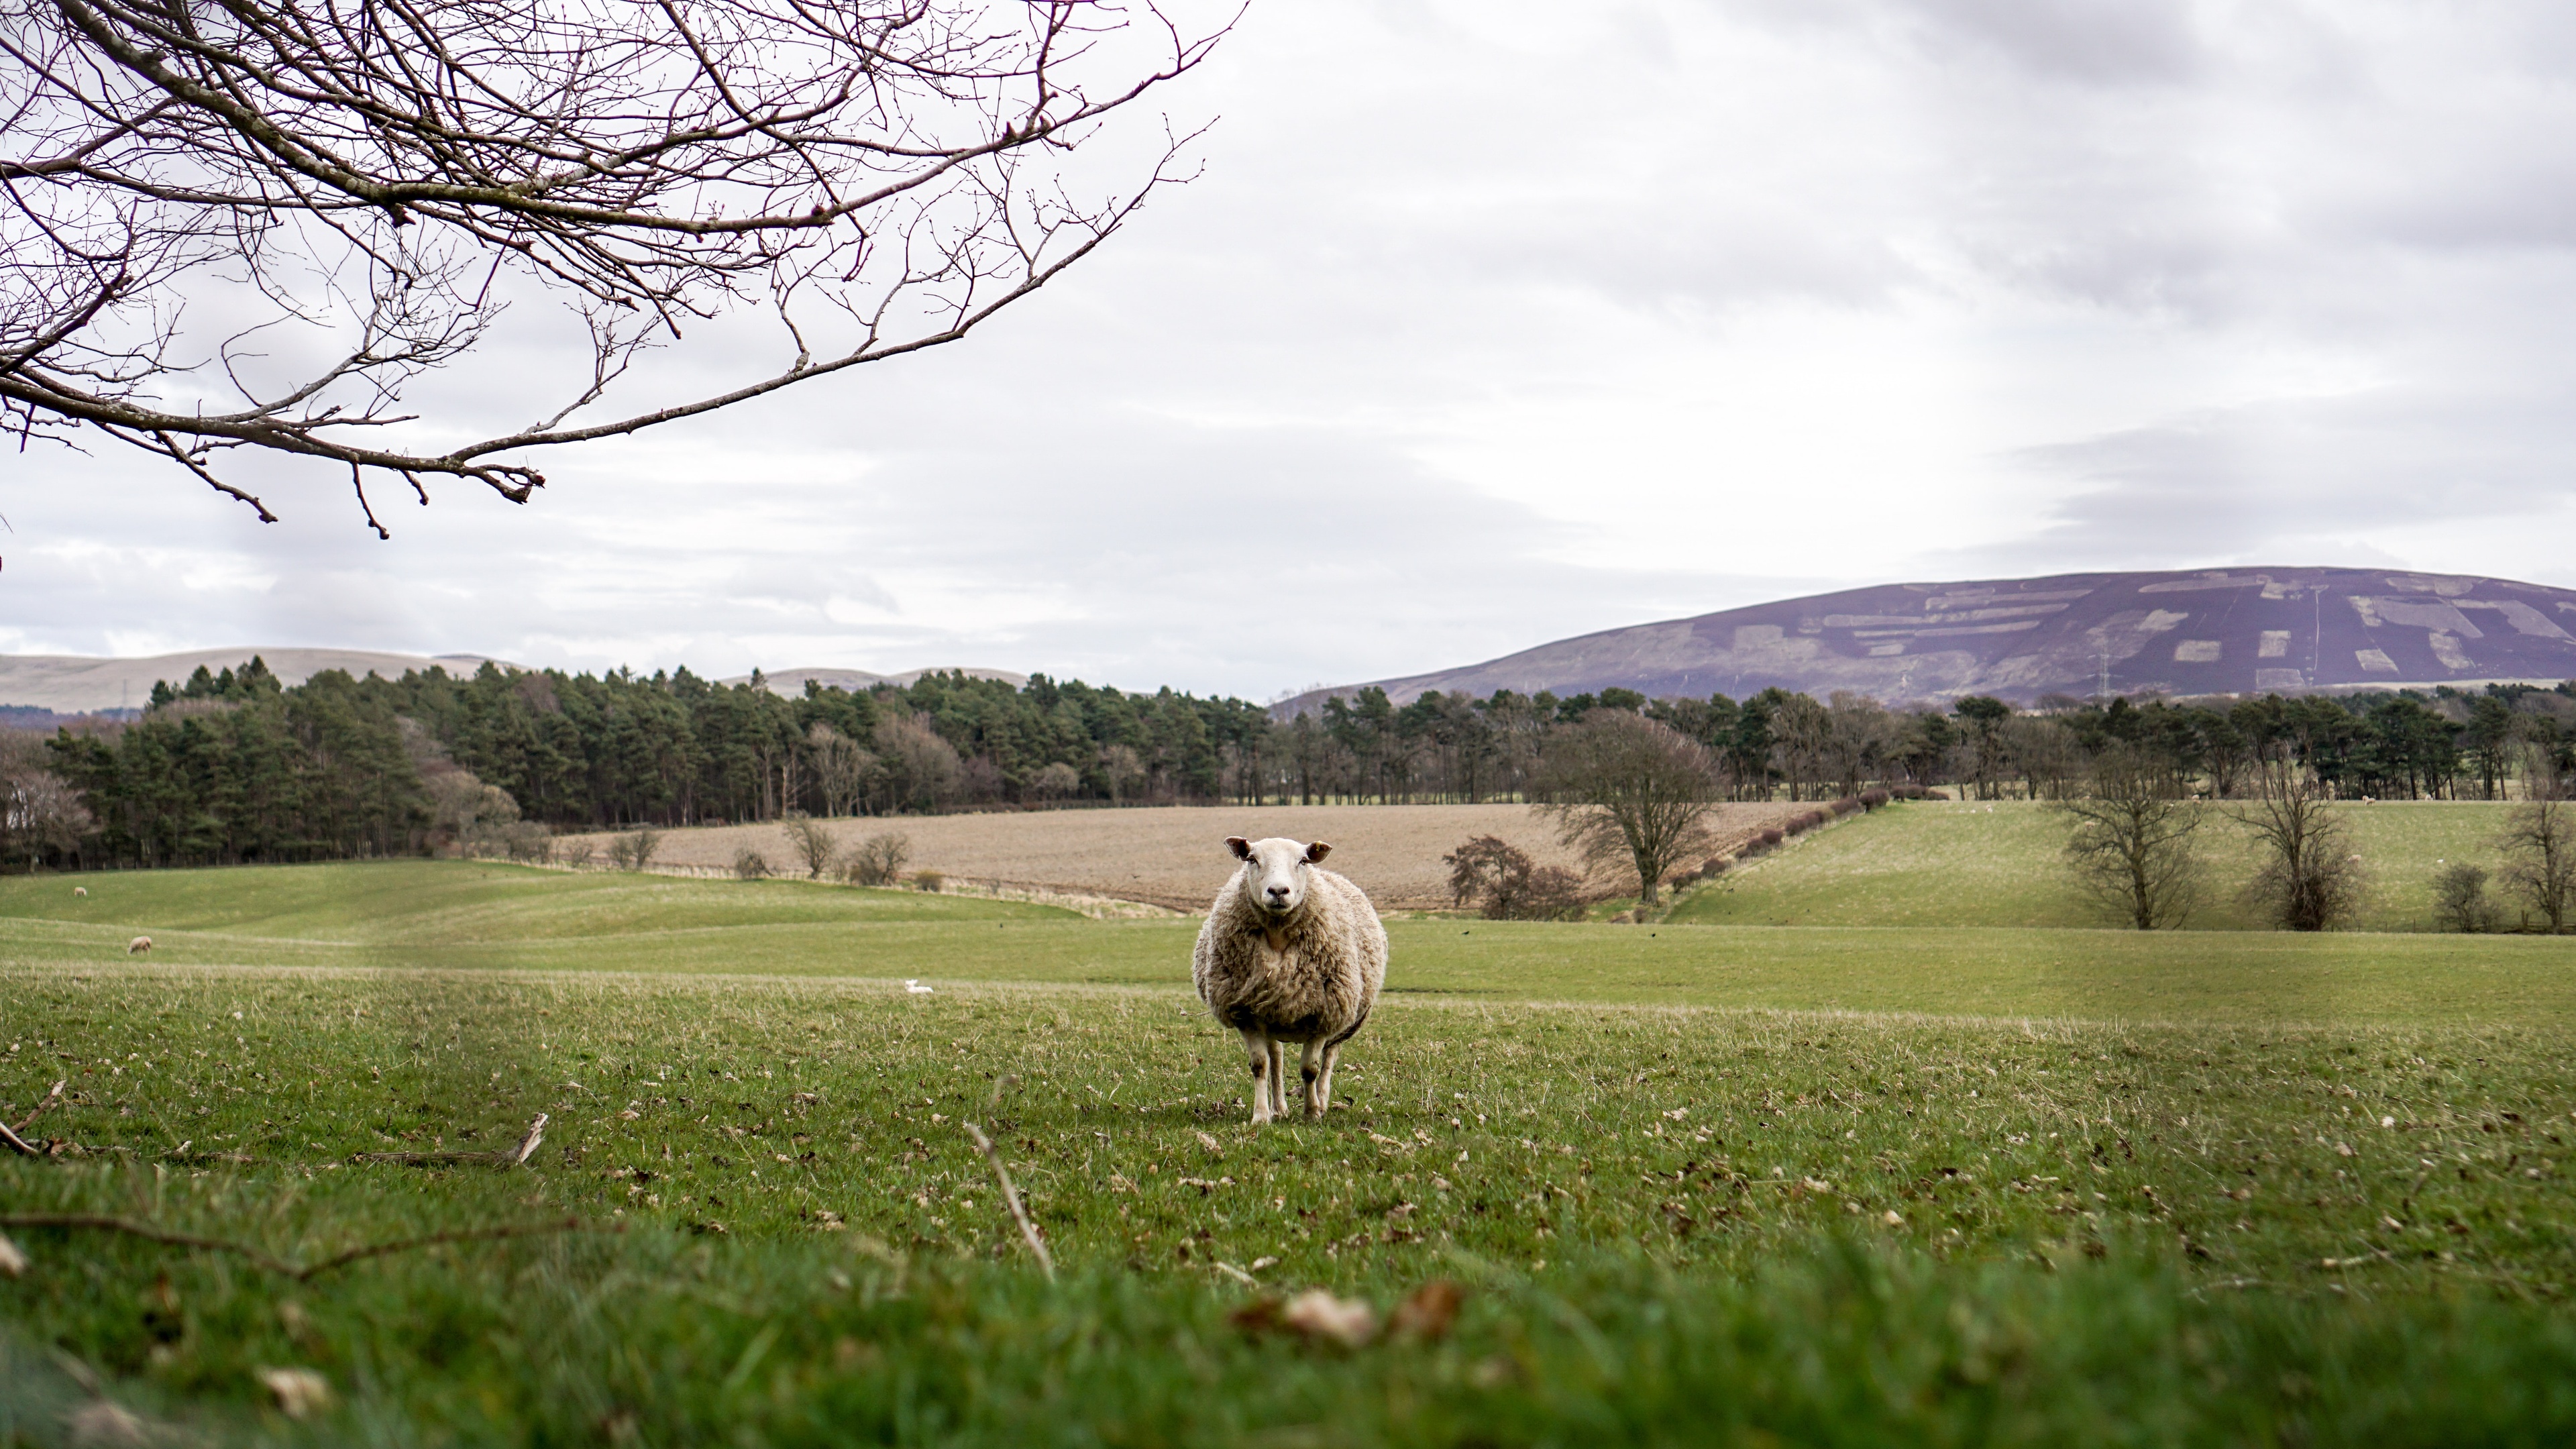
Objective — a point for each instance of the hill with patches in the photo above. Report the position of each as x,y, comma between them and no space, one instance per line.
2234,631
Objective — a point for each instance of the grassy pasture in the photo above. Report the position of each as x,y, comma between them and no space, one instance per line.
2311,1195
1965,863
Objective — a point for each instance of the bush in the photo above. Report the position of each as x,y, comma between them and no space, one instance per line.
1772,838
1872,799
749,864
576,856
1846,805
634,850
929,881
1502,882
1714,866
812,841
2460,900
878,860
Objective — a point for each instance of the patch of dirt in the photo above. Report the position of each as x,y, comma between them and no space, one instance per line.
1176,856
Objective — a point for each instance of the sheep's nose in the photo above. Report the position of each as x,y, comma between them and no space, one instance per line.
1278,893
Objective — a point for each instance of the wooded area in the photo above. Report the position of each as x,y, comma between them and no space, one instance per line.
237,767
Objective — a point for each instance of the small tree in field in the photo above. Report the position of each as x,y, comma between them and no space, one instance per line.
2132,844
878,860
2460,900
2539,843
2309,880
1505,885
813,845
634,850
1627,788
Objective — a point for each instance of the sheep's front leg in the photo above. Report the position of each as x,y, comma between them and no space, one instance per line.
1265,1071
1278,1079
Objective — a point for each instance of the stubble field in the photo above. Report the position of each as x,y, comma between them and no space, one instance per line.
1176,856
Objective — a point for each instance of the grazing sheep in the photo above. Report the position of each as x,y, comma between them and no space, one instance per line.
138,945
80,892
1289,953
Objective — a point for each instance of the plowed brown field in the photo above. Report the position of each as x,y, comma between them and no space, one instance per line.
1176,856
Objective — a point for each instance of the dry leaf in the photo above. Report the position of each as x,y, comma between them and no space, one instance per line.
1429,1310
1318,1314
299,1392
1261,1315
12,1261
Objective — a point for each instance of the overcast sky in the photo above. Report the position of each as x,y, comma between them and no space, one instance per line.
1491,323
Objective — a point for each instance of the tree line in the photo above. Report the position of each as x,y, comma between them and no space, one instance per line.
235,766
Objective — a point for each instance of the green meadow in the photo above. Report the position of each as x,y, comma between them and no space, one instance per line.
2001,863
1858,1181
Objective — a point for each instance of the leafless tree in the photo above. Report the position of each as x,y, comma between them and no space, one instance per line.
255,224
39,813
1055,782
2539,844
1626,788
1859,733
919,768
1802,734
2309,879
812,842
2132,844
841,767
635,849
1501,880
1123,768
878,860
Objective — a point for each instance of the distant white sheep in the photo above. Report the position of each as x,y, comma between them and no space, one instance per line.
80,892
1290,952
138,945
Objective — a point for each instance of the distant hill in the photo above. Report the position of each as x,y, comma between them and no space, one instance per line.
791,682
81,684
2234,631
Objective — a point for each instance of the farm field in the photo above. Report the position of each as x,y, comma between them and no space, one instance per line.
1175,856
1968,863
1698,1184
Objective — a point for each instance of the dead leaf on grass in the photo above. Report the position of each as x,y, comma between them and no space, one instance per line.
1428,1311
299,1392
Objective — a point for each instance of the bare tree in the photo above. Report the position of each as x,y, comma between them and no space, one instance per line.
878,860
1055,782
2539,844
2309,880
841,767
2132,845
1626,787
255,224
1123,768
1504,884
2460,900
813,844
40,813
920,769
634,850
1859,733
1802,734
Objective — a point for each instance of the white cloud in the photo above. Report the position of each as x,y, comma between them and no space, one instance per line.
1494,323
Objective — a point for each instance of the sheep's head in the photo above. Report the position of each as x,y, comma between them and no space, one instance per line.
1276,870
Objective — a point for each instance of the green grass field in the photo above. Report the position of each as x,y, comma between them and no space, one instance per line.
1964,863
1702,1184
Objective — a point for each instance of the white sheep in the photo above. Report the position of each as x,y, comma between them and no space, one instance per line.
138,945
80,892
1289,953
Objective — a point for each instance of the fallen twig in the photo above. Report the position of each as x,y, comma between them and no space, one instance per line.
9,1135
51,1098
506,1157
1011,1199
300,1272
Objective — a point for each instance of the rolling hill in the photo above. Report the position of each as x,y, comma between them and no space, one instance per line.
2233,631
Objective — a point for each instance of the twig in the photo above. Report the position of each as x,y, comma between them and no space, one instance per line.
507,1157
51,1098
1011,1199
300,1273
16,1143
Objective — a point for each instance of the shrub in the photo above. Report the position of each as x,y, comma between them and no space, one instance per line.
929,881
878,860
2460,900
634,850
749,864
1714,866
1872,799
576,856
813,844
1553,894
1772,838
1502,882
1846,805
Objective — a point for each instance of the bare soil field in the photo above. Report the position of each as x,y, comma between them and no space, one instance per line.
1175,855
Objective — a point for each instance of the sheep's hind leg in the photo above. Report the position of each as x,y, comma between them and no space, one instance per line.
1278,1079
1319,1085
1313,1071
1265,1072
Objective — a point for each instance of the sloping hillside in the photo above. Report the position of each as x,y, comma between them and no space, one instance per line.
76,683
2235,631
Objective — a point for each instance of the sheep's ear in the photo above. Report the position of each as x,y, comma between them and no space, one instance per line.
1241,847
1317,851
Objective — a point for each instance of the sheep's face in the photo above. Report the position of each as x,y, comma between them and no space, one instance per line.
1276,871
